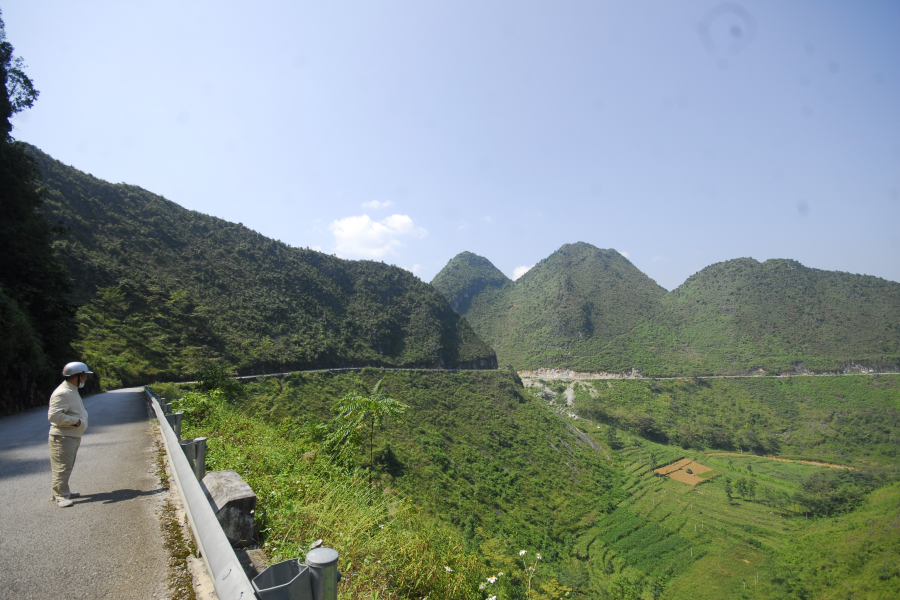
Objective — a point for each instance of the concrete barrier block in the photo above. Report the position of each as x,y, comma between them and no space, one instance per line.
233,501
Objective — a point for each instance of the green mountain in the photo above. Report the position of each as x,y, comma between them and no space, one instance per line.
165,291
592,310
562,312
741,316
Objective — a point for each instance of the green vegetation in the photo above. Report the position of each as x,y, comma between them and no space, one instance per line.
592,310
466,276
35,319
387,547
750,528
560,313
358,415
741,316
480,471
484,468
672,540
166,291
849,420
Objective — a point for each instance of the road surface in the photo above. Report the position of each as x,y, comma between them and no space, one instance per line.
109,545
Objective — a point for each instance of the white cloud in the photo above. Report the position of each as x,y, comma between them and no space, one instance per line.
658,257
416,269
362,237
316,247
377,204
487,219
623,253
519,271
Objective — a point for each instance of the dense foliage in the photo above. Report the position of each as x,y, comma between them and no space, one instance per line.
842,419
466,276
387,547
480,468
485,468
167,290
741,316
36,321
592,310
560,313
478,451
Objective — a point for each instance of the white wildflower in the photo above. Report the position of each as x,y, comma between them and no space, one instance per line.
448,569
522,553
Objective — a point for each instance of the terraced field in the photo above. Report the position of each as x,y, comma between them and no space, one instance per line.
678,541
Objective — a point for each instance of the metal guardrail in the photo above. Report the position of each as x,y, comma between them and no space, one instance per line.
229,579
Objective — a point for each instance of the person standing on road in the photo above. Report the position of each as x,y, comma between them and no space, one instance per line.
68,420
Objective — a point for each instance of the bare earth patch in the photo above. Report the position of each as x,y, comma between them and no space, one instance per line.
678,471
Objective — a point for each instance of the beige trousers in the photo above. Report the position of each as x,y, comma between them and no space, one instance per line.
62,459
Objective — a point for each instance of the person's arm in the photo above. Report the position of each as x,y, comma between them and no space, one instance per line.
57,413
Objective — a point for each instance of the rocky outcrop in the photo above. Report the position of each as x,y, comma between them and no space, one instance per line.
570,374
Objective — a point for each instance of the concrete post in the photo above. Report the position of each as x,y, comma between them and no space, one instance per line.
234,502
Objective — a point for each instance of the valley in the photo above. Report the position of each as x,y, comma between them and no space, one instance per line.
563,469
538,411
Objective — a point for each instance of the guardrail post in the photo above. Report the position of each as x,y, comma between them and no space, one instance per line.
195,451
175,420
323,564
200,458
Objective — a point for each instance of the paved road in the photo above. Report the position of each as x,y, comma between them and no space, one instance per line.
109,544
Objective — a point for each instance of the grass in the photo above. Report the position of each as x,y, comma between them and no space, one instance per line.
481,445
387,549
684,541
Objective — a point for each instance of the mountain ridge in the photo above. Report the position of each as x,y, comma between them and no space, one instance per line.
735,317
165,291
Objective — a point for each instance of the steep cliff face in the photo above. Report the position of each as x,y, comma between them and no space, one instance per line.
166,290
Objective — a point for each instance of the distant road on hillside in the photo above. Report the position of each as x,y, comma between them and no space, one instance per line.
568,375
564,374
109,545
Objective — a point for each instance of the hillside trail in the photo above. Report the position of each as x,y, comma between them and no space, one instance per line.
815,463
109,545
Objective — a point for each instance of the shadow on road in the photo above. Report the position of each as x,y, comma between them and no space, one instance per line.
117,496
16,467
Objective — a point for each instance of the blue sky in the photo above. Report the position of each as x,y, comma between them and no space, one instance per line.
680,133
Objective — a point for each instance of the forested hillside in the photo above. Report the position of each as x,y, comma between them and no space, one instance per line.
592,310
36,320
561,312
741,315
165,291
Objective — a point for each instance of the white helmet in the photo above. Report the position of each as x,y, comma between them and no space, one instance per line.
76,368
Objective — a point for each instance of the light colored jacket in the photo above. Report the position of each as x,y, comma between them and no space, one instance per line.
65,410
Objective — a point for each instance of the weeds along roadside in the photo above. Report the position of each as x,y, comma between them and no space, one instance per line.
386,548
